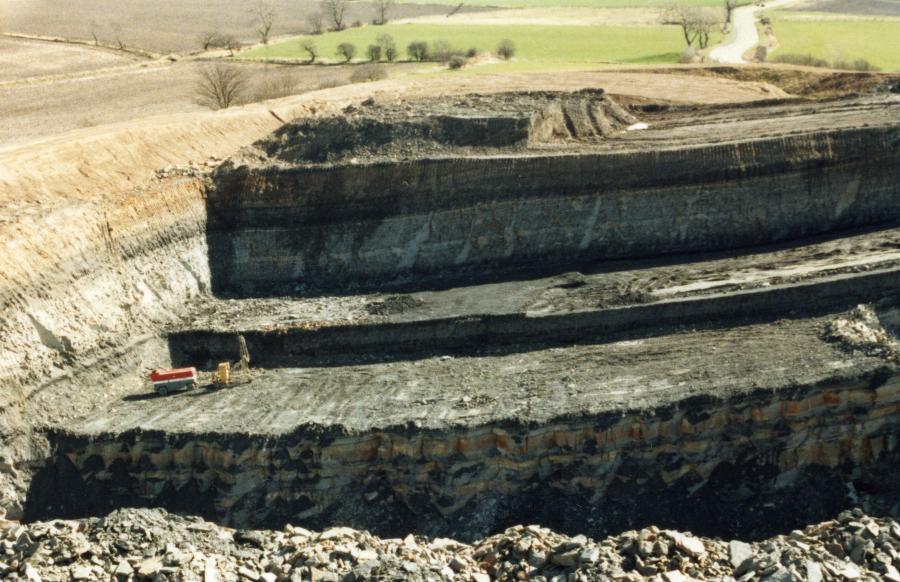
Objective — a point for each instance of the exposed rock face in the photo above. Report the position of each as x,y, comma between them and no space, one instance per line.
83,303
474,199
685,464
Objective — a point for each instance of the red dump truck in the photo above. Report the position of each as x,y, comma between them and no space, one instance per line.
174,380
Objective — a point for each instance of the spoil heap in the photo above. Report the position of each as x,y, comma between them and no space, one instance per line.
134,544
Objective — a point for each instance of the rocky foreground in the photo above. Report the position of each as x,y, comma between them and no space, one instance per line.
150,544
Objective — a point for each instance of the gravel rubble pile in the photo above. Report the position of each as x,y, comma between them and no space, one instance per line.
151,544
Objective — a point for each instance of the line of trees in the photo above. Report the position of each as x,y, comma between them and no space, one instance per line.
385,48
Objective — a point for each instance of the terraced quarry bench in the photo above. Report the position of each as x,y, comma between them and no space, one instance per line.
488,310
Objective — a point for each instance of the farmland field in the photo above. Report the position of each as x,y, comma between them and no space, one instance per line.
877,41
165,26
561,45
589,3
21,59
867,7
36,109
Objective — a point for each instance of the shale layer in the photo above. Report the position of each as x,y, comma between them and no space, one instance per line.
283,219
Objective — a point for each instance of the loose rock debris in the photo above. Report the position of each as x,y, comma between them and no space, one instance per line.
861,330
150,544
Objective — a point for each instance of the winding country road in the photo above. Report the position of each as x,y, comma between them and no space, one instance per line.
745,35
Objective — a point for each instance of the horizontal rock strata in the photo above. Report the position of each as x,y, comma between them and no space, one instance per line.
280,224
683,463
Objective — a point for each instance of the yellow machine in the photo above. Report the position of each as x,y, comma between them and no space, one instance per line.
224,376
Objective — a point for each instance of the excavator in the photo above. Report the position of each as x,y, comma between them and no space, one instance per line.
225,375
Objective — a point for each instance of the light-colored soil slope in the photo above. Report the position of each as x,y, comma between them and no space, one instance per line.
44,106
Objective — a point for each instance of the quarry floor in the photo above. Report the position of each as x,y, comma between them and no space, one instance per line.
599,286
505,385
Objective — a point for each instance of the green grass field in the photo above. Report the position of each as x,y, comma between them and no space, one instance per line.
536,46
876,41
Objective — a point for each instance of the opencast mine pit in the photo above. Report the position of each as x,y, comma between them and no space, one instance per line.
476,312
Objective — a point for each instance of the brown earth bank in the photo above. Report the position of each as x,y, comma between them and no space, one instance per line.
152,544
105,232
39,107
804,82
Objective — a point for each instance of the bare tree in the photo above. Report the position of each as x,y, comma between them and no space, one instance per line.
696,23
210,39
117,31
506,49
418,51
336,10
220,86
264,19
382,7
94,28
309,47
230,42
730,5
315,21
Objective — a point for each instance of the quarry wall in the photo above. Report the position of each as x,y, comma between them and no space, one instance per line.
82,306
717,465
274,228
